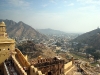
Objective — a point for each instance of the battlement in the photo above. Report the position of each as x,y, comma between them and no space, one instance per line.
35,71
47,62
54,66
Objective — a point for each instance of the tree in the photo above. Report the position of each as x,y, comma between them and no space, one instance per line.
58,44
96,55
90,50
78,46
93,52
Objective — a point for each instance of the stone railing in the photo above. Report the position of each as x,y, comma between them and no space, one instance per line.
18,66
68,67
47,63
87,70
35,71
32,69
6,72
22,58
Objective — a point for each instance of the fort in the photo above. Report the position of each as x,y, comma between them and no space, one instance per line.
13,62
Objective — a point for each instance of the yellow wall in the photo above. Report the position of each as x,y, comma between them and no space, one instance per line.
5,44
4,52
18,66
22,59
4,55
68,66
34,71
25,63
26,57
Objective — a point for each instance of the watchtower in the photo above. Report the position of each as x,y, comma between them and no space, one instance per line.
6,44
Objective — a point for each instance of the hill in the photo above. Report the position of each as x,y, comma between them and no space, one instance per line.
51,31
34,50
91,38
21,30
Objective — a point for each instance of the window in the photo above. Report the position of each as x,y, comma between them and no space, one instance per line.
8,49
0,70
49,73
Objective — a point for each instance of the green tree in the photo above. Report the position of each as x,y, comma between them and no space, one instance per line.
58,44
96,55
90,50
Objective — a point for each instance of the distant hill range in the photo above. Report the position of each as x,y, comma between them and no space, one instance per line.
51,31
91,38
21,30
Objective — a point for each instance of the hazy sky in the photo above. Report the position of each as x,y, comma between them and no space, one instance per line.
64,15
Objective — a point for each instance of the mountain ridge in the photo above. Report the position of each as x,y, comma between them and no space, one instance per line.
91,38
21,30
51,31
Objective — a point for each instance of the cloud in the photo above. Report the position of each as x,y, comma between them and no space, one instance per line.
65,1
45,5
88,8
71,4
19,3
53,1
90,1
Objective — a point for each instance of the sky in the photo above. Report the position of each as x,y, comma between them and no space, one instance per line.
77,16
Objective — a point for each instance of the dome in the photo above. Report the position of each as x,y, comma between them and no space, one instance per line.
2,23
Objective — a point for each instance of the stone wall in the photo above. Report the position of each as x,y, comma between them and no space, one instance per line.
50,66
32,70
22,59
18,66
67,66
35,71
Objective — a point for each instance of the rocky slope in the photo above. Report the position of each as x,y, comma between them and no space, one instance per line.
34,50
91,38
21,30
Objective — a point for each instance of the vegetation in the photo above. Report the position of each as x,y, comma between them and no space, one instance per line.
79,57
58,44
30,49
34,50
93,52
91,38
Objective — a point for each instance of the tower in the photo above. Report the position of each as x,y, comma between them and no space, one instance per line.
6,44
3,35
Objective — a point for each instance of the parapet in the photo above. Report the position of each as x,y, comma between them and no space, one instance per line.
46,62
35,71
